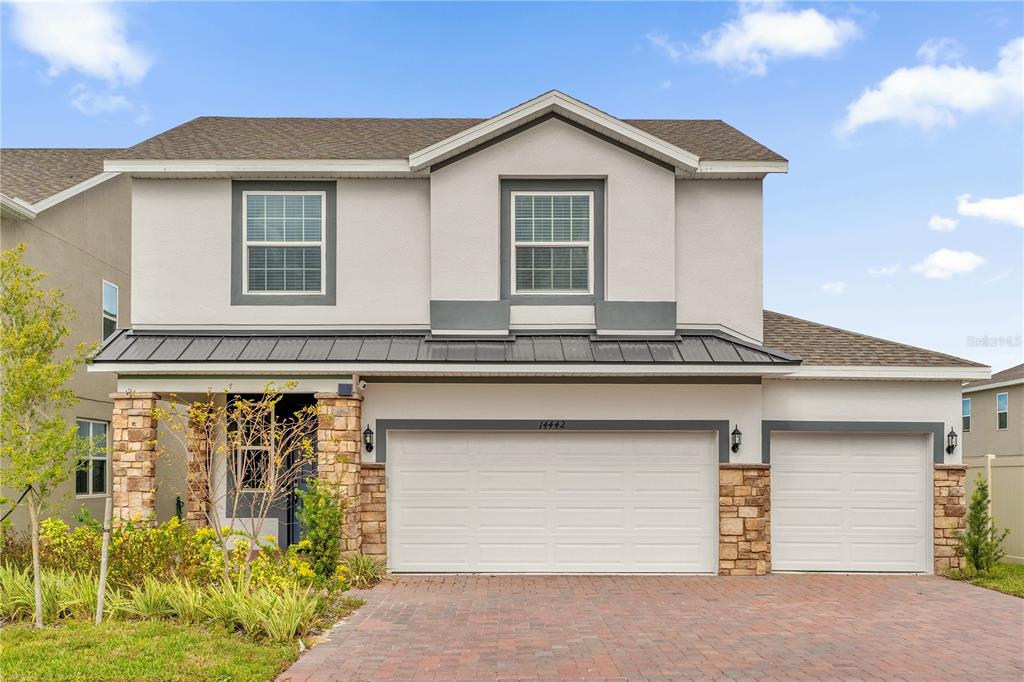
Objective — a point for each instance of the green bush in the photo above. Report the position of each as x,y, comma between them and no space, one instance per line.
983,543
321,516
364,571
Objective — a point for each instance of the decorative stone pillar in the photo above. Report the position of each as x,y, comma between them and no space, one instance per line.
373,510
197,476
744,519
133,459
339,447
950,508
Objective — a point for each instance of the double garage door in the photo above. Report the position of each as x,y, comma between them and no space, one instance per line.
647,502
552,502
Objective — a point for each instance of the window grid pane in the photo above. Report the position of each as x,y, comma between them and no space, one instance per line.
283,217
552,268
540,218
284,268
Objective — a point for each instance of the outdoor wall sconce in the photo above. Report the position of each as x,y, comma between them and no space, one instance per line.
736,437
368,439
951,439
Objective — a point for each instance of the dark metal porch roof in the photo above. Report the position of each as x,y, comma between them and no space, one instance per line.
705,348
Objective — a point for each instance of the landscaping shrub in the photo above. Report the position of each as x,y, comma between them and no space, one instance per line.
983,543
364,571
321,517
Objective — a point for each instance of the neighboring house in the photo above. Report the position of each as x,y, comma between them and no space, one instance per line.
993,424
75,221
536,343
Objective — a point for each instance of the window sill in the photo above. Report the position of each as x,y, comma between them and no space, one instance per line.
92,496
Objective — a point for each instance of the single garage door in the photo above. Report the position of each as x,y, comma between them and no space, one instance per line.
552,502
850,502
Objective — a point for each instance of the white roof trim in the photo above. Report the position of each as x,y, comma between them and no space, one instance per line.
998,384
571,108
883,372
729,167
221,166
16,208
426,369
72,191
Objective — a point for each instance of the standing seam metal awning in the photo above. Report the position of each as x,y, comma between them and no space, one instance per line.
715,348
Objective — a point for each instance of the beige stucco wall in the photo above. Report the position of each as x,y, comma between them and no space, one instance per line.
738,403
719,254
383,258
984,438
79,243
827,400
639,219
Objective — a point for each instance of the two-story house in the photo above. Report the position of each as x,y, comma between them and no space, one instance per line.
536,341
993,424
75,222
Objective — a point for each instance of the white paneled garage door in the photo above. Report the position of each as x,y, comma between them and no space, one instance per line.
552,502
850,502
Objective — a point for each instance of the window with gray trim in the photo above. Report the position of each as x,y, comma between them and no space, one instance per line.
91,473
283,243
965,412
552,241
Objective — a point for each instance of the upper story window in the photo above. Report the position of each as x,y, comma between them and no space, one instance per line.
1002,411
552,242
109,309
965,412
91,475
284,242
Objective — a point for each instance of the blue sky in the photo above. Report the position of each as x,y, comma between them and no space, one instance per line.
935,91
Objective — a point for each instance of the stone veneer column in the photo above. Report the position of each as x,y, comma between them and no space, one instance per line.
133,459
948,498
339,447
373,510
197,473
744,519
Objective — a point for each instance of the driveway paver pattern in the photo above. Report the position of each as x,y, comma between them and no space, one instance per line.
658,628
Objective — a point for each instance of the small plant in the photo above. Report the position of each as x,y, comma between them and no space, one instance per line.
364,571
186,601
150,601
16,597
321,517
983,543
288,614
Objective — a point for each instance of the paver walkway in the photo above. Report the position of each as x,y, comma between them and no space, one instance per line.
786,627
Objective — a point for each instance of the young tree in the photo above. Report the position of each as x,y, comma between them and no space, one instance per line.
983,543
255,456
39,448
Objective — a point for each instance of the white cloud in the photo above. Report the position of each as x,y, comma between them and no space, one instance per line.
834,288
930,95
945,263
884,271
85,37
940,224
666,85
766,32
93,103
663,43
1005,210
938,50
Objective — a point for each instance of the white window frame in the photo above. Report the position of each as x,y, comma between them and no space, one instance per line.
103,312
92,462
965,403
322,243
516,243
1006,411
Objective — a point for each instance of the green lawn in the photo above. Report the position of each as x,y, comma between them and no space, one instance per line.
1008,578
147,650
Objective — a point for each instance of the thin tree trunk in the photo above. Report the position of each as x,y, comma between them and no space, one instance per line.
107,513
37,579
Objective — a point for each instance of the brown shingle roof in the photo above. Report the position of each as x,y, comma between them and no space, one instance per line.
34,174
1015,373
220,137
819,344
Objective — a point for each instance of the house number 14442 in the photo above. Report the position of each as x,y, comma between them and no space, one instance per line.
551,424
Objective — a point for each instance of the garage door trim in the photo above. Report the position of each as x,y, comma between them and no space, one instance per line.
934,428
720,426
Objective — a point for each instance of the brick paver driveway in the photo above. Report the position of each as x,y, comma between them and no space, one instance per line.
673,628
